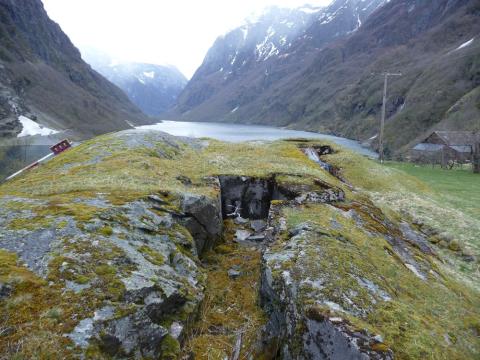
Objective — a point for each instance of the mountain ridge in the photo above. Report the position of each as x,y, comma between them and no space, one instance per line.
152,87
43,77
326,84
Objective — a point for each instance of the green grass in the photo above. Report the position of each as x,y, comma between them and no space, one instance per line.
457,187
447,201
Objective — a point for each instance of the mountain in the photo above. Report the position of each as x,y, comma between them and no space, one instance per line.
153,88
43,77
243,64
327,77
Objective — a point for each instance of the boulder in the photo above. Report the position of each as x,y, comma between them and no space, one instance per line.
203,220
242,235
258,225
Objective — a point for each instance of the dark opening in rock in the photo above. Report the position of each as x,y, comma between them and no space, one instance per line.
250,197
246,196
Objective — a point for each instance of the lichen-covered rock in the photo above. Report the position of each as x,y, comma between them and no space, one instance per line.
119,270
203,218
132,256
342,281
109,249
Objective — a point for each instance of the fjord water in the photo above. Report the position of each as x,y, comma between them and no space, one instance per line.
13,158
239,133
19,156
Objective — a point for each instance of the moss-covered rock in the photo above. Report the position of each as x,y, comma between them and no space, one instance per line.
347,280
107,251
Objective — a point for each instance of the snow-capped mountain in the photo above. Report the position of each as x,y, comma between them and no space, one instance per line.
273,37
321,70
153,88
259,39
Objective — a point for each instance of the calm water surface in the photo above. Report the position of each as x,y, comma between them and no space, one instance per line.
239,133
13,158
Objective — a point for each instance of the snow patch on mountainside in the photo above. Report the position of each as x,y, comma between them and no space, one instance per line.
31,128
465,44
309,10
149,74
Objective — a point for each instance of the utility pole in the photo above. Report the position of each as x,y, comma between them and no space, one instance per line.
476,157
384,105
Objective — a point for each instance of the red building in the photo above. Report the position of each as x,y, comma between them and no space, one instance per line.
61,146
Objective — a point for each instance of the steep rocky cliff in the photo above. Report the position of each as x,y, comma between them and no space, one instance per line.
43,77
327,76
142,245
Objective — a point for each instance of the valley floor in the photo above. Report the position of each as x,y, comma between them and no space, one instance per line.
458,187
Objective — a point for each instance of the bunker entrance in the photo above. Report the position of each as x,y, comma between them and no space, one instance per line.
249,197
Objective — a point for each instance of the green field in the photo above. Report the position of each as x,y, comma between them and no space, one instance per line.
459,188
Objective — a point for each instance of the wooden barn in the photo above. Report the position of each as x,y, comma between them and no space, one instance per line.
442,147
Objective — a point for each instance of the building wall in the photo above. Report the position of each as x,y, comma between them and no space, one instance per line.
439,157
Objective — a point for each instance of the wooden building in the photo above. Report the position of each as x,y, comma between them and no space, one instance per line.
442,147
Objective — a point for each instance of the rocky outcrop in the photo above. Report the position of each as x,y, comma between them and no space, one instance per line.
143,264
125,247
320,279
302,323
203,218
130,268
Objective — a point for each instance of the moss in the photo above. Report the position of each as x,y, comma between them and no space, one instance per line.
32,298
105,270
62,224
82,279
55,314
106,231
224,249
170,348
454,245
151,255
380,347
31,223
121,172
229,305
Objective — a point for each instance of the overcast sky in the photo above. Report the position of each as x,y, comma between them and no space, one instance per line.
177,32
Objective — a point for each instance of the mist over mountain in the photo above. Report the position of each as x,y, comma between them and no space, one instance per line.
320,69
44,78
153,88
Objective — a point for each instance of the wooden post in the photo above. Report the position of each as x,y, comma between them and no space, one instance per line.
476,158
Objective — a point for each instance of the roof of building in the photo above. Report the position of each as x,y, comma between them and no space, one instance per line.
459,137
462,148
428,147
